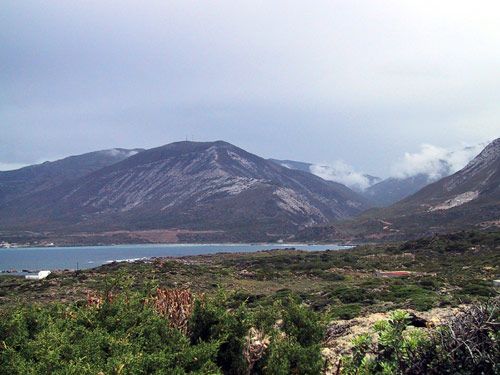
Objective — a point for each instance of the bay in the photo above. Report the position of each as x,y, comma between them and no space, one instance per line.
60,258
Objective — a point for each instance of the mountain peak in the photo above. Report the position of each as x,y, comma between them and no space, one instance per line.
468,199
192,145
489,155
191,185
479,170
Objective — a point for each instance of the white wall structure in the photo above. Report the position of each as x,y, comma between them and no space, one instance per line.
41,275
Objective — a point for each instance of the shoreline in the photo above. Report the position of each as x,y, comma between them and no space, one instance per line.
21,261
185,244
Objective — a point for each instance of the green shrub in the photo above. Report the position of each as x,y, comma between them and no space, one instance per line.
352,295
211,321
345,311
478,289
295,345
429,283
468,344
118,331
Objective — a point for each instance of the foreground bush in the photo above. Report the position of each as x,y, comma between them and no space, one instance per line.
468,344
163,332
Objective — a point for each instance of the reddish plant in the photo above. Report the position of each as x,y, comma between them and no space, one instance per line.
175,304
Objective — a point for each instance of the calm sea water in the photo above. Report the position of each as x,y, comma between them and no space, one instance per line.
59,258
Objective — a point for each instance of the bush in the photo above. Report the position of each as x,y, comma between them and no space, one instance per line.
121,335
295,345
346,311
352,295
468,344
211,321
159,331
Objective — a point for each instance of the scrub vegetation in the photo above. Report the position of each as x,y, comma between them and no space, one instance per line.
256,313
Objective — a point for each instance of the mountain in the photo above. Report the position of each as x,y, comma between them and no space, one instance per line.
187,185
341,174
380,192
27,180
411,174
470,198
419,170
392,189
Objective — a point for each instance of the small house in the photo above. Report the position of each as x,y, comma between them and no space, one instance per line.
41,275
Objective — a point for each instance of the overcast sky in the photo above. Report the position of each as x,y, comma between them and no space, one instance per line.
361,82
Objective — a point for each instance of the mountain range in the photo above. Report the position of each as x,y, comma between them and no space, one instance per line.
468,199
215,191
185,186
380,192
385,192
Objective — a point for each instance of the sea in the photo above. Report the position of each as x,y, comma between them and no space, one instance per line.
34,259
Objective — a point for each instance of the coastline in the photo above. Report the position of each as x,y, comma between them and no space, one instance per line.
160,244
32,259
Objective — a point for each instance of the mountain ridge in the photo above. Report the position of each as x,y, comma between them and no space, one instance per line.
38,177
467,199
188,185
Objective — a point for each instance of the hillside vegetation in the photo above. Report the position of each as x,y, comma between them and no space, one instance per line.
253,313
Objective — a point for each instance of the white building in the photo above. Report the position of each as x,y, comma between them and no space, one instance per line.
41,275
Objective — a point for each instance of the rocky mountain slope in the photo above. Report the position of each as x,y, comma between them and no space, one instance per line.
27,180
187,185
470,198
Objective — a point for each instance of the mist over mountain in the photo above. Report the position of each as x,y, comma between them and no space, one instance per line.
467,199
408,175
417,170
338,171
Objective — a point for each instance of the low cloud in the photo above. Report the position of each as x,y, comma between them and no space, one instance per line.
342,173
435,162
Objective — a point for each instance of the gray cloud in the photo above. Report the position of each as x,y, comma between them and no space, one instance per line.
359,81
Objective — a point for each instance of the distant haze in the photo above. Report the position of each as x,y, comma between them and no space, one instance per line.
347,83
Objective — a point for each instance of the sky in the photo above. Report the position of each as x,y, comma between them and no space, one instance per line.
361,83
